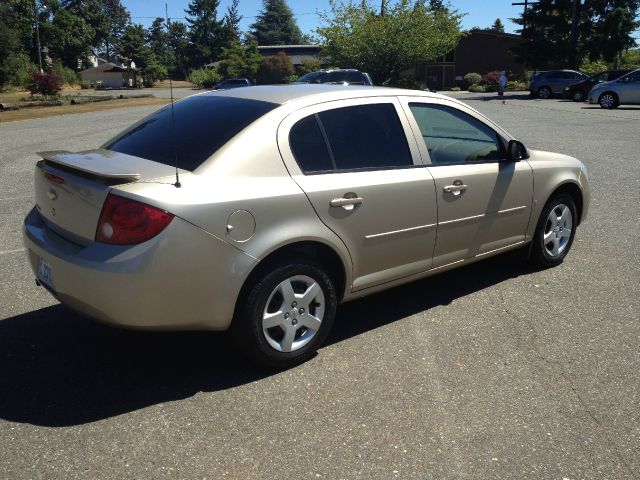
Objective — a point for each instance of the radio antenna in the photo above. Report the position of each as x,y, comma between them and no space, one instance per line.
173,118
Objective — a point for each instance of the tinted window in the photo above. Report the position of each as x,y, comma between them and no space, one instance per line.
312,77
308,146
354,77
553,75
366,136
452,136
203,124
634,77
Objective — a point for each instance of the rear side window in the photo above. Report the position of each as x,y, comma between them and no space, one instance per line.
203,124
309,147
361,137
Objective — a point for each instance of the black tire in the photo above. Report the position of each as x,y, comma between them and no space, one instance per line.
577,96
609,100
545,93
247,325
539,254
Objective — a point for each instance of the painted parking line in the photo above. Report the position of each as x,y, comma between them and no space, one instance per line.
7,252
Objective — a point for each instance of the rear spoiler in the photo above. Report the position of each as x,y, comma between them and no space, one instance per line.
99,163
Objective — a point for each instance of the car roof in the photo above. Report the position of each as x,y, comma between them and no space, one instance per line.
282,94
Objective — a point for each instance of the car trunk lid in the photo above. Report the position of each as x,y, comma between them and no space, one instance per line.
70,188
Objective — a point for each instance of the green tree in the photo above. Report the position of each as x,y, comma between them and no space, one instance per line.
108,18
275,69
497,26
630,59
231,24
357,37
604,30
13,58
611,24
240,61
275,25
179,46
133,46
205,32
68,37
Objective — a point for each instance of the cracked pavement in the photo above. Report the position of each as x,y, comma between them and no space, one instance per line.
492,371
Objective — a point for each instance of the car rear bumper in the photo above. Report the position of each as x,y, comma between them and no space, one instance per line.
183,279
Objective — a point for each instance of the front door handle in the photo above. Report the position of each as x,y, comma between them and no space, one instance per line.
346,202
455,189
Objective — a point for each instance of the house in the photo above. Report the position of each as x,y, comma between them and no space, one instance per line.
111,74
480,51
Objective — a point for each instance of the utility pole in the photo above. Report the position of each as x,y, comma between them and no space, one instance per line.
35,11
525,4
575,20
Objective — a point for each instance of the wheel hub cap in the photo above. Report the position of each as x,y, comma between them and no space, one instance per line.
293,313
557,232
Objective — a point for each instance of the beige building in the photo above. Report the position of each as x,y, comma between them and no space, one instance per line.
111,75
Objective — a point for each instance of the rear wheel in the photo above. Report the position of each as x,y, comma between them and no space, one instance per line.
544,93
608,100
555,231
285,314
577,96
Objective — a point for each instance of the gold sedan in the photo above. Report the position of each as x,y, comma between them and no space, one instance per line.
258,210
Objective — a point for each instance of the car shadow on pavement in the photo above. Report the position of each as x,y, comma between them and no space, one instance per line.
59,369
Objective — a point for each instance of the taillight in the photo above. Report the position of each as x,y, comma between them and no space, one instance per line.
124,221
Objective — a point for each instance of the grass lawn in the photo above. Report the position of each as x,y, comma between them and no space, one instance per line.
40,112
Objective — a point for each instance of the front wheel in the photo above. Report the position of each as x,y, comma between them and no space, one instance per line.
608,100
285,314
577,96
554,233
544,93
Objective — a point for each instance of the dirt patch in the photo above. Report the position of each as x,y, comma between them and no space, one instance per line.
41,112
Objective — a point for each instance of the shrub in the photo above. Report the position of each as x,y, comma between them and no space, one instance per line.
455,89
492,78
477,88
15,70
66,75
205,77
473,78
308,66
275,69
84,85
46,84
592,67
100,85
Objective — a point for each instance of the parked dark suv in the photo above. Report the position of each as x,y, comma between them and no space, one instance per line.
337,76
232,83
547,84
578,92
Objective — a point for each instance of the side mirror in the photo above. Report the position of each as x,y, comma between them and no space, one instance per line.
516,151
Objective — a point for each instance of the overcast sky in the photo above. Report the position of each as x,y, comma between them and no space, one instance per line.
479,13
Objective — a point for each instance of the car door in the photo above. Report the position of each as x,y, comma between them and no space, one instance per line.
366,182
628,88
484,201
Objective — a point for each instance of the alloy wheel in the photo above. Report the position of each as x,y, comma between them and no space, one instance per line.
577,96
607,100
557,231
293,313
544,93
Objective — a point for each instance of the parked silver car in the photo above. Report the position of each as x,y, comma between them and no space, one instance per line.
623,91
290,200
553,82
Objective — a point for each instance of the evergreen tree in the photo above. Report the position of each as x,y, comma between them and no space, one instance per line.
275,25
611,25
179,46
205,32
133,46
497,26
231,23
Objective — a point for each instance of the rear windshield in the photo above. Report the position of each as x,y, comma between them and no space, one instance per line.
203,124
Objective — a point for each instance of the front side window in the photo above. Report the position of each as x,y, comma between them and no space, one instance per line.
362,137
453,137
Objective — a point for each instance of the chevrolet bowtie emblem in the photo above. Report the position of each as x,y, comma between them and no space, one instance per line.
52,194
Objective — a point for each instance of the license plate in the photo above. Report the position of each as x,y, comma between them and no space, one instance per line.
45,273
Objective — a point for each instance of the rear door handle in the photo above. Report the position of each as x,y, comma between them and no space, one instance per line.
455,189
347,203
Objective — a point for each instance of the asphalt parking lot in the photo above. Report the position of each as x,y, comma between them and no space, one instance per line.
495,370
